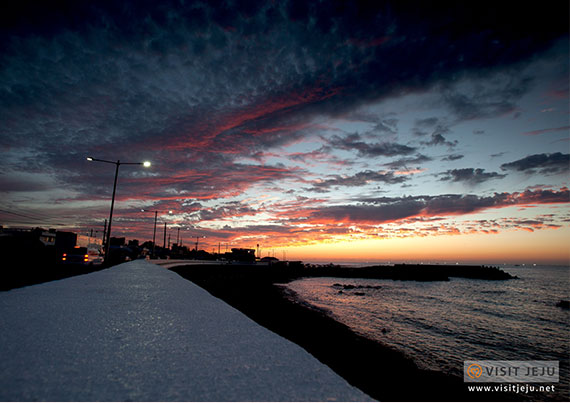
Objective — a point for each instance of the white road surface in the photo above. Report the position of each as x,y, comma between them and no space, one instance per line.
138,332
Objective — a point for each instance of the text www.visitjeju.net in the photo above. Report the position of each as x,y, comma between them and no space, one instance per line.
512,388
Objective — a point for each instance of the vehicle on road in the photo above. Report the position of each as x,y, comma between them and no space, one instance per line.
82,255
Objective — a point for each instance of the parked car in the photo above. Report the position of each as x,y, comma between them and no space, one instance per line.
81,255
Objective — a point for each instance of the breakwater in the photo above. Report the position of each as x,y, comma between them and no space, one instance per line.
414,272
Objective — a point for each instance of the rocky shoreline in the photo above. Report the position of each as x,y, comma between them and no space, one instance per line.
381,372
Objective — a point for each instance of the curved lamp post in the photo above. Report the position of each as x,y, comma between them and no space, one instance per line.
118,163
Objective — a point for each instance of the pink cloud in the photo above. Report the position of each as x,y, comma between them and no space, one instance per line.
544,131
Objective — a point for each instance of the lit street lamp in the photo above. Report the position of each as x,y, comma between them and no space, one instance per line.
118,163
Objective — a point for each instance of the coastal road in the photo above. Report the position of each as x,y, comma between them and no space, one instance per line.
138,332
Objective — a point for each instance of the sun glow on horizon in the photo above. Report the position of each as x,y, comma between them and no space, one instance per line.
512,247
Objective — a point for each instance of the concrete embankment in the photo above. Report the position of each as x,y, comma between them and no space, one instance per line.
139,332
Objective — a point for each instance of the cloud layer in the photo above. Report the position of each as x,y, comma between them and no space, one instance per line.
317,105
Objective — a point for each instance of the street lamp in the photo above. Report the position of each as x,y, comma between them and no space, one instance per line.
118,163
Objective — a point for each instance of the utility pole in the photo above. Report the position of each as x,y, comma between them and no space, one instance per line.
164,244
108,244
154,232
104,234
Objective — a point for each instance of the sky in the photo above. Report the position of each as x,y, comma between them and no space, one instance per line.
318,130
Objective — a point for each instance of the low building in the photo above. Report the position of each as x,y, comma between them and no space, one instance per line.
241,255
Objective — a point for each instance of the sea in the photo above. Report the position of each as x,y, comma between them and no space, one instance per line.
441,324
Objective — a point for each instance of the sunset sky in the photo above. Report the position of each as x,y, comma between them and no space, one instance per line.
329,131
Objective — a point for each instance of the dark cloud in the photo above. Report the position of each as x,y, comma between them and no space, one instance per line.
452,157
22,184
435,128
430,126
556,163
410,162
321,155
206,183
368,214
472,176
359,179
496,155
496,97
382,210
385,126
437,139
427,122
161,69
354,142
227,210
199,86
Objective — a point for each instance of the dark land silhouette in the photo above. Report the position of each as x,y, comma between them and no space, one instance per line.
415,272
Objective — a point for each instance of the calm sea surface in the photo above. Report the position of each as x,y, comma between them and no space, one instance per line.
441,324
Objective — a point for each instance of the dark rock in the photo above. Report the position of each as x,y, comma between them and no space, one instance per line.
564,304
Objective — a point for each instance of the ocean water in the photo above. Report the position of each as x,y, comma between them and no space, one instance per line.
441,324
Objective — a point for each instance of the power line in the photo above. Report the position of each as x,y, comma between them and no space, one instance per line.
19,215
35,220
32,214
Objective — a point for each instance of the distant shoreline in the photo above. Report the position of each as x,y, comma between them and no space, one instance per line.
380,371
403,271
